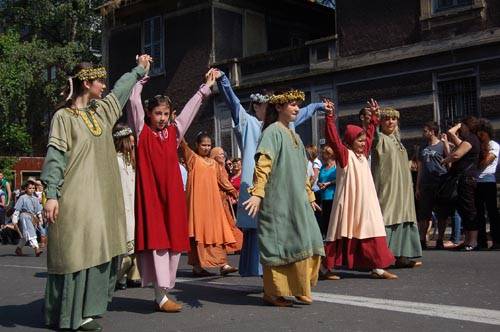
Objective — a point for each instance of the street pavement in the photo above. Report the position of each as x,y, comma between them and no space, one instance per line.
452,291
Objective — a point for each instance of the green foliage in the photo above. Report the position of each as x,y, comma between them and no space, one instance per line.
6,167
41,34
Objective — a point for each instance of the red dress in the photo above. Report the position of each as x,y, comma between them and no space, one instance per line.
160,201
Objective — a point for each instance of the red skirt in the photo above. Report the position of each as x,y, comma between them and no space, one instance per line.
356,254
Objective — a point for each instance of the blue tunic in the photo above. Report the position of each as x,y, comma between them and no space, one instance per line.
248,129
27,205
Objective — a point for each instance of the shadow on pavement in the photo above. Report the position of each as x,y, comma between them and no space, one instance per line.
28,315
128,304
192,295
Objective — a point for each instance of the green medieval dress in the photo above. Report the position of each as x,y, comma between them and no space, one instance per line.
81,171
287,230
392,178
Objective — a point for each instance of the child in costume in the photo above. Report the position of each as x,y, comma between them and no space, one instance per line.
124,140
210,230
356,232
27,215
87,228
290,242
248,128
393,182
160,205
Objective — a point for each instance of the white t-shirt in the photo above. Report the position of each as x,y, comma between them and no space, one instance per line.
488,174
311,166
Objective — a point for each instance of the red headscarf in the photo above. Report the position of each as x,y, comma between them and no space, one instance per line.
351,133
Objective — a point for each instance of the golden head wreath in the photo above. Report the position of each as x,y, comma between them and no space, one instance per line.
389,112
89,74
287,97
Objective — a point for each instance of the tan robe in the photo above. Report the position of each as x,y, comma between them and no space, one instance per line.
90,229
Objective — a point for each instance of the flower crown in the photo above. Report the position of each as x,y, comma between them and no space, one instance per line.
89,74
287,97
122,133
258,98
389,112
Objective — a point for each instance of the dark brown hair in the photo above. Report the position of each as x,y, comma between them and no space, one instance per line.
472,123
432,126
78,87
272,112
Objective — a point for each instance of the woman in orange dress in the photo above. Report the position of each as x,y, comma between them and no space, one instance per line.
229,196
210,230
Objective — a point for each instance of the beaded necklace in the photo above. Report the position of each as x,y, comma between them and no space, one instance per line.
89,119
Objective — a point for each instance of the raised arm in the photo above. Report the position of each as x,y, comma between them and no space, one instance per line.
188,113
335,142
232,101
124,85
189,155
370,133
307,112
135,110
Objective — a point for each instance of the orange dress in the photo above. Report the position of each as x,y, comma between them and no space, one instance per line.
227,190
209,228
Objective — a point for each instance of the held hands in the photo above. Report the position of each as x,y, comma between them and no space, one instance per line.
252,205
329,106
51,210
210,77
144,61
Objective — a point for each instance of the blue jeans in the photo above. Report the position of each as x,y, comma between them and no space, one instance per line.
456,228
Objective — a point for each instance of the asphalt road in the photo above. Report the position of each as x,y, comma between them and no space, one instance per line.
452,291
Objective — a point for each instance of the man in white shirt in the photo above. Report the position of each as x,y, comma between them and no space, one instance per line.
486,192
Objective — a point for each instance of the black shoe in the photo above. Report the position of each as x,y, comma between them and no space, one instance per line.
120,286
134,283
423,244
495,247
439,245
470,248
91,326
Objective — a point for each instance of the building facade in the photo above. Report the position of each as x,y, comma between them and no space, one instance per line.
188,37
434,60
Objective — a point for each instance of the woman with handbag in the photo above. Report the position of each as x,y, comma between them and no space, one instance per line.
464,161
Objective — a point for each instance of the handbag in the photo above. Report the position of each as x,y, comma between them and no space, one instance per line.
447,191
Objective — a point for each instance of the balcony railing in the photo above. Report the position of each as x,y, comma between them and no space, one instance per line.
314,55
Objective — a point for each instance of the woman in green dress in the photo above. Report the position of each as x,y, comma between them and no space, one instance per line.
290,242
392,177
85,205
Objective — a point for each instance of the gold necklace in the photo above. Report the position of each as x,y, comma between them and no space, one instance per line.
90,121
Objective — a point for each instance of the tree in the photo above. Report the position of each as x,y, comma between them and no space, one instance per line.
42,37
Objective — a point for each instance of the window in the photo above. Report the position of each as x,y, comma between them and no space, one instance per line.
224,136
458,98
153,40
255,36
440,5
